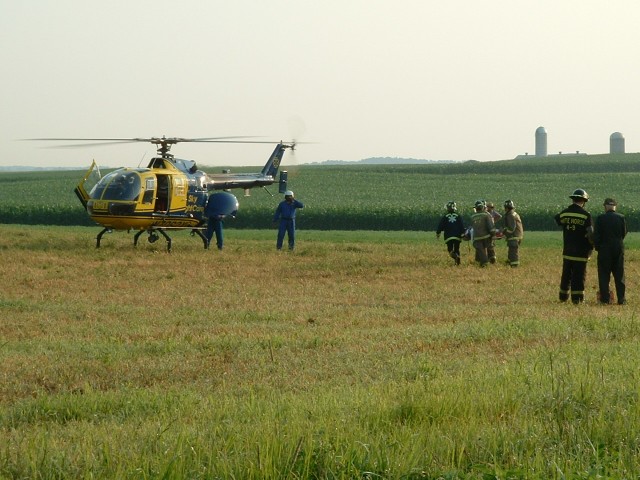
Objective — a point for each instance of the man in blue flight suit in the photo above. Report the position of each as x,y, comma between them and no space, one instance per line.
214,223
286,215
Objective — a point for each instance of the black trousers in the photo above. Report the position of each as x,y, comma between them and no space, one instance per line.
453,247
574,274
611,261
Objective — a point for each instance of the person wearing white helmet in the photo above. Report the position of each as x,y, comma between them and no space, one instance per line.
285,218
577,237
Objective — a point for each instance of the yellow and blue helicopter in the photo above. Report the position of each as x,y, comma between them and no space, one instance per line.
170,193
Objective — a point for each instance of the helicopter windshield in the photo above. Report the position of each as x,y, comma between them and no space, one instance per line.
117,185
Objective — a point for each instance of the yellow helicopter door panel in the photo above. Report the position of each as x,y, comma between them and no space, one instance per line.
80,189
179,189
147,197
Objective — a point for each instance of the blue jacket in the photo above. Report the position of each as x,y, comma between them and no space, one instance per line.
286,210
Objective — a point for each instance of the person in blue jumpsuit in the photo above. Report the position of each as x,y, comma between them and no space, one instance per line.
214,224
286,216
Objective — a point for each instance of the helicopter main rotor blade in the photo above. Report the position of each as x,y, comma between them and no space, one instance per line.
164,144
92,144
83,139
154,140
233,141
138,139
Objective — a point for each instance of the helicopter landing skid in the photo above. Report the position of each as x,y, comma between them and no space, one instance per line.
195,231
153,237
99,237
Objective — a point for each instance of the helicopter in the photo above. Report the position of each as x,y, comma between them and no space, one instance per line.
170,193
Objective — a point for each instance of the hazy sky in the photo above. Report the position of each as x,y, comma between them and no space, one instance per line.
457,79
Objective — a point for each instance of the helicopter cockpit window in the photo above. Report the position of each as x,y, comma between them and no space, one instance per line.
187,166
117,185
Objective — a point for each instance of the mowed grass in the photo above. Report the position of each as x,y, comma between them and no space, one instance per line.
359,355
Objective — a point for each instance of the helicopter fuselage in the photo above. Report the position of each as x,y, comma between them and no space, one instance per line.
146,198
169,193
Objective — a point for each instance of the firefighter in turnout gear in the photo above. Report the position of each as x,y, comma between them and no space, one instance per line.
484,233
513,232
453,227
608,237
577,234
495,216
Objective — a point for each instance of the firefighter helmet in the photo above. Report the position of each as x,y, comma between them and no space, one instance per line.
509,205
451,206
579,194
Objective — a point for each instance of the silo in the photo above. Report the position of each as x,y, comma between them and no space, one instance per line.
616,143
541,142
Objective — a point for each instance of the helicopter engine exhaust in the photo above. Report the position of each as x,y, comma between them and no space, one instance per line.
282,184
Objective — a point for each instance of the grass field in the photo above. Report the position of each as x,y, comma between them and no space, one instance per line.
360,355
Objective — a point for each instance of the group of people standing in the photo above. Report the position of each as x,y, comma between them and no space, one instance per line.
482,232
580,237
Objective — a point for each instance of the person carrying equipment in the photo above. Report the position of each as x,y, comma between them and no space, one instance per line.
453,227
495,215
484,233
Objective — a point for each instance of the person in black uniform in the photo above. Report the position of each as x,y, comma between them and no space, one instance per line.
577,235
453,227
608,237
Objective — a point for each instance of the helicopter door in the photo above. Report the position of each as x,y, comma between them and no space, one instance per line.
149,194
81,191
179,189
162,196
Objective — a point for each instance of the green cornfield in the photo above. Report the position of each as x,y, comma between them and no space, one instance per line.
375,197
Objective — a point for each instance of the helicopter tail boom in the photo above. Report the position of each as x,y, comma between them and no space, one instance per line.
246,181
273,164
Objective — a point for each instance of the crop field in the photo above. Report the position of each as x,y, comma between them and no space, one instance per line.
376,197
359,355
